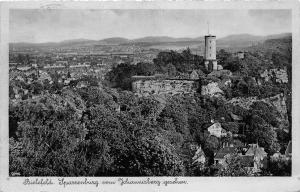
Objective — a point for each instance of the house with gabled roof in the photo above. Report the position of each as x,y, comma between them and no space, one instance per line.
216,130
194,75
223,153
256,157
253,157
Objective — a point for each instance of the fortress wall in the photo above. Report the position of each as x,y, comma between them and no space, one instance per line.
171,87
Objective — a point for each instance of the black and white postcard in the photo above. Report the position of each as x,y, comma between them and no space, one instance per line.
155,96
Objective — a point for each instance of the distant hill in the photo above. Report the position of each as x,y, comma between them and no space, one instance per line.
241,37
75,41
160,39
243,41
231,41
279,36
239,40
114,41
279,43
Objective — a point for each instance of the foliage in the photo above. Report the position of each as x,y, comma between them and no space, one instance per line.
233,127
145,69
183,62
259,131
82,135
120,75
278,167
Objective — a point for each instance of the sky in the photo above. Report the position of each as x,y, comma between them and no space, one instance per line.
54,25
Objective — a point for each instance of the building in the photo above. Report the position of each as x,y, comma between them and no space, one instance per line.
194,75
255,157
199,156
222,154
210,59
252,157
216,130
240,55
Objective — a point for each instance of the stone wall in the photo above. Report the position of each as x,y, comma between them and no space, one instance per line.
278,101
167,86
211,89
280,75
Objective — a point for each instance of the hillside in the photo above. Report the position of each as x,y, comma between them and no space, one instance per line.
114,41
160,42
160,39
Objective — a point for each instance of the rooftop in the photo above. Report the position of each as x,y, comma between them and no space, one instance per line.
225,151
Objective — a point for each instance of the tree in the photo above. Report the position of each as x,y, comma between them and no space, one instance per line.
278,167
232,64
267,112
222,57
146,69
259,131
233,127
48,133
175,111
120,76
36,87
183,62
170,70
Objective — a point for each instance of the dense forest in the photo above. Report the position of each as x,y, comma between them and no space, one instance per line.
106,130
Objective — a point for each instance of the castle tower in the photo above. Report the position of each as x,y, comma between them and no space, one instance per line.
210,59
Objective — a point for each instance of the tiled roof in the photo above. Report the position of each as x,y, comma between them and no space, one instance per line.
247,160
255,150
224,151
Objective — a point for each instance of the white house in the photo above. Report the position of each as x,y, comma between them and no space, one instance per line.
216,130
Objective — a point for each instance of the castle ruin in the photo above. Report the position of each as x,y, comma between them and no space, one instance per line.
151,85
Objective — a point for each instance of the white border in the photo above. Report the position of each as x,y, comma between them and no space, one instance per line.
289,184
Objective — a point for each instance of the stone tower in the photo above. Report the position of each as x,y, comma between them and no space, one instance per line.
210,59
